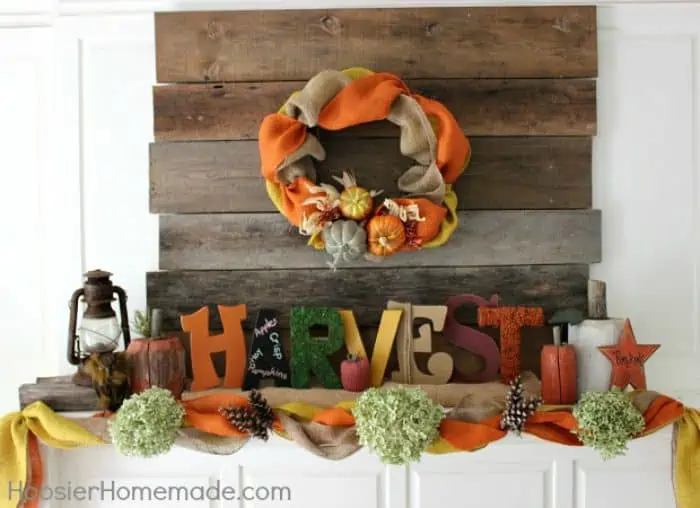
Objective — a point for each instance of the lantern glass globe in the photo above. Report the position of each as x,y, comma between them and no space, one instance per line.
99,335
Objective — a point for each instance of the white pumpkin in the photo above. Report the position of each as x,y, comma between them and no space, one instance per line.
345,241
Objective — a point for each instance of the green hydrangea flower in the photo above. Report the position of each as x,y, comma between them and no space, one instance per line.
606,421
147,423
397,423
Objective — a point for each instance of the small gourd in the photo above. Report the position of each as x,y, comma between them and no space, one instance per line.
356,202
345,241
386,234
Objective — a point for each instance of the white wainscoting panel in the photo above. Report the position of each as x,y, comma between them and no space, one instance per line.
25,107
530,469
641,479
646,182
512,472
96,108
278,473
106,80
26,6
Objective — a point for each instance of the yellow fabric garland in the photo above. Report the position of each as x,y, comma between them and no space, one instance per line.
687,460
59,432
52,429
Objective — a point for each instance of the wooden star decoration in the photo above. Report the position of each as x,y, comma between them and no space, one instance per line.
628,359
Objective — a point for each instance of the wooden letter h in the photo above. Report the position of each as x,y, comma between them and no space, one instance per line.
202,345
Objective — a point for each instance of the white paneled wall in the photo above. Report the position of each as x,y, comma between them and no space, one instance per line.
523,472
75,99
75,104
646,182
25,88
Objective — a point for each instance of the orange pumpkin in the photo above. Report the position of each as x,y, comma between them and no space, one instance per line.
355,203
386,235
558,368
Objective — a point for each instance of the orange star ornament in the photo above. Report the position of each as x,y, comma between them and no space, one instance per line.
628,360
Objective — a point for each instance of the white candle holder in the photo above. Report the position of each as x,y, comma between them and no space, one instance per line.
592,367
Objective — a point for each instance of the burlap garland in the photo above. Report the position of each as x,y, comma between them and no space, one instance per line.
334,443
417,139
469,402
447,395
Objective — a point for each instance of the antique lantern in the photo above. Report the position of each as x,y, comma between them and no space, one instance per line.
99,329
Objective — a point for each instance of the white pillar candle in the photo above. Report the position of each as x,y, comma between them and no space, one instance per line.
592,367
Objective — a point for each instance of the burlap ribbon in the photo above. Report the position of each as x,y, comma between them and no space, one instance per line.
417,139
336,100
447,395
326,441
330,433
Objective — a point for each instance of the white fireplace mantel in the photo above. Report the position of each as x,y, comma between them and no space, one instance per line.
525,472
76,91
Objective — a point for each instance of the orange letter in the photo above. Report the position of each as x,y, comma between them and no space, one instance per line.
510,320
202,345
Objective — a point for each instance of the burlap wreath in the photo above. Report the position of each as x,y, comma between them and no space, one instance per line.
349,222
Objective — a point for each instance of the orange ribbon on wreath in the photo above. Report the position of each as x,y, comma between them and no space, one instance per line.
363,99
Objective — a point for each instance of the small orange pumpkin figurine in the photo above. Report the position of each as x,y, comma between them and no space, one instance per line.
558,367
386,235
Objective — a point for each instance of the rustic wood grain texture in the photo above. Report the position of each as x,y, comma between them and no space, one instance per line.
428,42
254,241
365,291
59,393
481,106
505,173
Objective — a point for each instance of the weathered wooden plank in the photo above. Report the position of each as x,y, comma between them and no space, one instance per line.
481,106
59,393
432,42
505,173
487,238
365,291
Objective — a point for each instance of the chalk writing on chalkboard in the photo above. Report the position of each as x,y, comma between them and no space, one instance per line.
266,360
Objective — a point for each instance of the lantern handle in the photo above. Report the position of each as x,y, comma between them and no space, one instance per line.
124,315
73,358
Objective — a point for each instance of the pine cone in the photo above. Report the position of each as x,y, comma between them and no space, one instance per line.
264,416
256,418
518,409
241,417
261,407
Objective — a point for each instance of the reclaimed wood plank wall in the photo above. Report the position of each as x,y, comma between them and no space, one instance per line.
521,82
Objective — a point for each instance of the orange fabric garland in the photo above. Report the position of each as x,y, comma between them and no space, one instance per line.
553,426
36,469
203,414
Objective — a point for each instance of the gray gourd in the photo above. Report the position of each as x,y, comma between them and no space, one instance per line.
345,241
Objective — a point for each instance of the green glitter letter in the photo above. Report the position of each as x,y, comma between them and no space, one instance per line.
311,354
